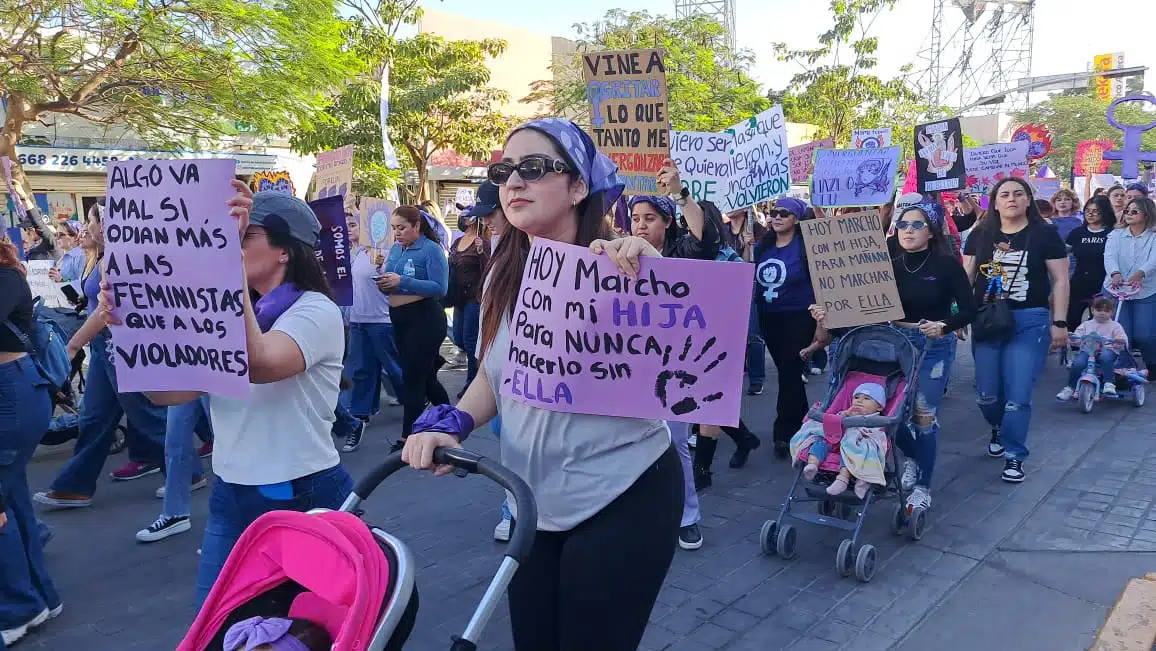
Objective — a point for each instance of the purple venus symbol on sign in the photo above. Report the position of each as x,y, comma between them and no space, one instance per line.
1130,154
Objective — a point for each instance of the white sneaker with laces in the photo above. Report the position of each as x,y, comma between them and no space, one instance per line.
197,485
910,474
1065,394
919,497
163,528
1109,389
502,531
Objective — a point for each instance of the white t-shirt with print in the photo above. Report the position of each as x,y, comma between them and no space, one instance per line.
282,430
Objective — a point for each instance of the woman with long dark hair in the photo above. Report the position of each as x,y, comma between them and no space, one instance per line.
1086,243
608,489
1130,257
415,278
1017,257
28,597
1118,195
468,259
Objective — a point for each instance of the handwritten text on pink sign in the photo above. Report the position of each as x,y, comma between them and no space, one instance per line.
584,338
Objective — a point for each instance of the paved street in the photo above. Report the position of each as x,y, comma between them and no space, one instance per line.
1001,566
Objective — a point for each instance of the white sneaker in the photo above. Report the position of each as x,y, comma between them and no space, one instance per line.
920,497
806,379
163,528
502,531
816,371
1109,389
1066,393
197,485
910,474
12,635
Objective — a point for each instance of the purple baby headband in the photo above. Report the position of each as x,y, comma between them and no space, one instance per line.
255,631
596,168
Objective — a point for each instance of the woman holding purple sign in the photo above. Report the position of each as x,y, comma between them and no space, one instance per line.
609,489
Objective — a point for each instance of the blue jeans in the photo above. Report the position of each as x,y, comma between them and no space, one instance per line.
496,428
680,437
465,335
1005,375
1139,321
1106,360
25,407
344,422
182,464
101,409
372,350
920,440
756,364
819,449
233,507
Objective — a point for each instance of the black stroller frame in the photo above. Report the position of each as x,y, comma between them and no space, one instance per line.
879,350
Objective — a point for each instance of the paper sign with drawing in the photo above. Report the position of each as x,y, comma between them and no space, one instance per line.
939,160
854,177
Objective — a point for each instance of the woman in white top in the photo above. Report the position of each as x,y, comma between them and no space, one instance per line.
273,449
608,489
1130,257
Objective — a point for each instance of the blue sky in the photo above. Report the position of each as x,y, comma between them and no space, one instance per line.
1060,44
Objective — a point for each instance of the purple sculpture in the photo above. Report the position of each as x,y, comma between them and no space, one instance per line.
1130,154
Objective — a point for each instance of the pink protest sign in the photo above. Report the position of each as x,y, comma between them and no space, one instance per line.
803,159
173,258
584,338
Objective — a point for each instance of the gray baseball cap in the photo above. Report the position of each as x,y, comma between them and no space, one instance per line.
278,212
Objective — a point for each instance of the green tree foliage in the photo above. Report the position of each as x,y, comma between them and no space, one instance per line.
709,87
1073,118
173,72
439,100
838,95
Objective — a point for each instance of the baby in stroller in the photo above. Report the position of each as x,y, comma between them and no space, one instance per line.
862,450
277,634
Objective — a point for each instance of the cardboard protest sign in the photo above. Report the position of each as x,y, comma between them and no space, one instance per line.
989,164
803,159
1045,188
854,177
939,163
375,230
704,162
629,113
45,287
333,248
871,138
851,269
584,338
760,161
334,175
173,260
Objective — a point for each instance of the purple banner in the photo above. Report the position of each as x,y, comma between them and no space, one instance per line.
586,339
173,258
333,247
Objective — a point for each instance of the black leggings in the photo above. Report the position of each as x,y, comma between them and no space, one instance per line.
420,329
1080,299
593,587
786,333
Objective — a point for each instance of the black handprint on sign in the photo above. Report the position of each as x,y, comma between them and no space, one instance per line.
686,379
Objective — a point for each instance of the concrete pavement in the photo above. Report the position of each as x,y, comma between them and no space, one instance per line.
1028,567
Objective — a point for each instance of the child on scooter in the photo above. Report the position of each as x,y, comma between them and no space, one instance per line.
1105,326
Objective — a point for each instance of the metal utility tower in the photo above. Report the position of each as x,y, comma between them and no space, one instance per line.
721,10
976,49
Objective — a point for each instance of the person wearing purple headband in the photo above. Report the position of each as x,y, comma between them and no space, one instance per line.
276,634
1135,191
609,490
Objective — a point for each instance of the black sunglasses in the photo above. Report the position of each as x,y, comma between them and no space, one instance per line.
781,214
1133,211
530,168
903,225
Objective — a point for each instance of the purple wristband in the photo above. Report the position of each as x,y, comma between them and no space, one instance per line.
447,419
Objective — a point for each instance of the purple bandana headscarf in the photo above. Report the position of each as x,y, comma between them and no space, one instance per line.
664,205
596,168
255,631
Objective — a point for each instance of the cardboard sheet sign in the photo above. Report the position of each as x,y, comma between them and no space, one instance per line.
990,164
939,159
333,248
704,163
851,270
375,231
854,177
803,159
43,286
584,338
629,113
871,138
334,176
173,258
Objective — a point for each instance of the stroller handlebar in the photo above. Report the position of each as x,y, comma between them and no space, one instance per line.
858,421
522,536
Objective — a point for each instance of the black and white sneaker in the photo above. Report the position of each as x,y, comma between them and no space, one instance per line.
163,528
1013,471
995,448
353,440
689,537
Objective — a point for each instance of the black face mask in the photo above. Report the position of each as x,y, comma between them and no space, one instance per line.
465,222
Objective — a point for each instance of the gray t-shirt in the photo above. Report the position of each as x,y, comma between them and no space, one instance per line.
576,464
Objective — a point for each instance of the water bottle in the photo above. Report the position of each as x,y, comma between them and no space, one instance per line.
408,270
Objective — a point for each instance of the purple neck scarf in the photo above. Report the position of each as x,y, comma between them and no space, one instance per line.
256,631
272,305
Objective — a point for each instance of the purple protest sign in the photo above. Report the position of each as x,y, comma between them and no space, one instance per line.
1130,154
671,344
333,247
173,258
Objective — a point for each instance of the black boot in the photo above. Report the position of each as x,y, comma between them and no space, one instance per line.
782,450
745,441
703,458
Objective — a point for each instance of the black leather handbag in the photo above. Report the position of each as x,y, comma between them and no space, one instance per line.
994,322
